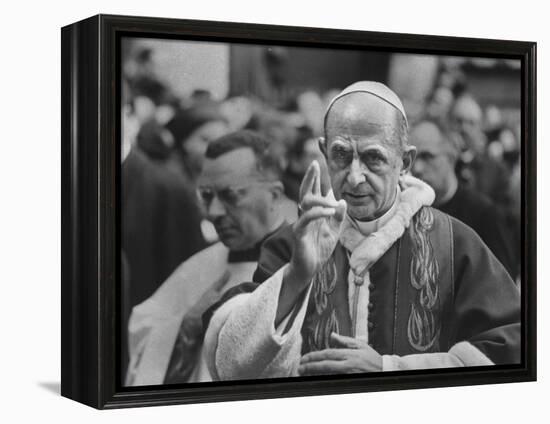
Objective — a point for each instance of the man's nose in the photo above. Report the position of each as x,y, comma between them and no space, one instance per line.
355,175
215,208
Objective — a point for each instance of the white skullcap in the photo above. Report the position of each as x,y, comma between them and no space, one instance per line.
376,89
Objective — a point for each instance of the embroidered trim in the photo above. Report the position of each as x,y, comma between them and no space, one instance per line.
422,329
320,338
324,285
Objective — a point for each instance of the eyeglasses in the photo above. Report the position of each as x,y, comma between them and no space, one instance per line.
230,196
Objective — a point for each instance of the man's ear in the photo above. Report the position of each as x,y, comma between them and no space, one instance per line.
409,154
323,146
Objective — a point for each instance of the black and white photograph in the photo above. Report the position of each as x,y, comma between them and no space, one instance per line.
240,212
292,212
289,212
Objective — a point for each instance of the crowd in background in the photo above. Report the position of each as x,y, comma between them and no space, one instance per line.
165,137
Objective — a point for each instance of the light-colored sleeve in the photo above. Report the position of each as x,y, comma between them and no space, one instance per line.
154,324
151,337
142,320
140,325
242,342
462,354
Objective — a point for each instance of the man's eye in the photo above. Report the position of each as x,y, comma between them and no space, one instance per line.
342,156
230,197
206,196
374,159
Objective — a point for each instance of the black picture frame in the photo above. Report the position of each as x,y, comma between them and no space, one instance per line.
90,221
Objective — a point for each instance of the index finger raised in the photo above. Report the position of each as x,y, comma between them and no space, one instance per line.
312,174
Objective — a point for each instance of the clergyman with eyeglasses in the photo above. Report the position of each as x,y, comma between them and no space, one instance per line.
241,192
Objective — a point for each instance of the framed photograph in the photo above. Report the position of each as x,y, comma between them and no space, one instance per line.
256,211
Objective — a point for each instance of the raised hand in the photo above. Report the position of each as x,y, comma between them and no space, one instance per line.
316,233
317,230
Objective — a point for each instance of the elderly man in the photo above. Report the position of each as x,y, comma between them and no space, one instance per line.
436,156
476,168
370,278
240,189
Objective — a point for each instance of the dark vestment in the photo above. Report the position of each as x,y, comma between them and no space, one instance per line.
485,175
160,224
291,182
480,213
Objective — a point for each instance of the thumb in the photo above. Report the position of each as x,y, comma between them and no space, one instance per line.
344,341
341,210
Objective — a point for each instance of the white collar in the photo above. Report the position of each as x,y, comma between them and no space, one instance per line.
368,227
385,231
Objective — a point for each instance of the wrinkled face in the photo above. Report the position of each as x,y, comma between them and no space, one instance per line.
237,200
364,162
433,163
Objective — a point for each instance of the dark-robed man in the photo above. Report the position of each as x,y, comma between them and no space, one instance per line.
241,192
370,277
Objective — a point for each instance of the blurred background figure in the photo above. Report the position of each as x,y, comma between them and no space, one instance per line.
160,217
304,151
477,168
141,70
160,213
439,104
192,130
